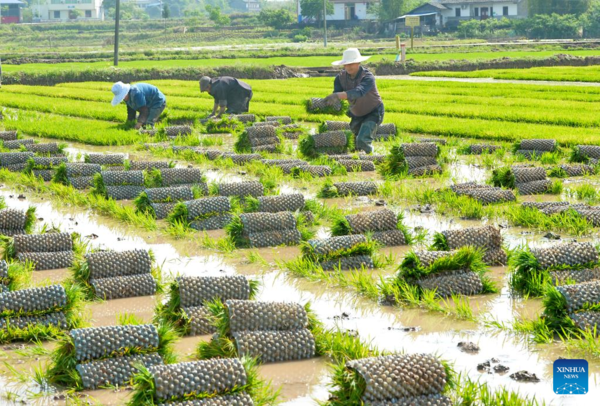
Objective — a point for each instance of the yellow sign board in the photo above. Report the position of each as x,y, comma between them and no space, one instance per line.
412,21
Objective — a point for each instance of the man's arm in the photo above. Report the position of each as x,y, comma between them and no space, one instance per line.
144,112
130,113
364,87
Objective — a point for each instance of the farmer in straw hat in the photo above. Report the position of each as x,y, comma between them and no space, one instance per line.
229,93
143,98
357,85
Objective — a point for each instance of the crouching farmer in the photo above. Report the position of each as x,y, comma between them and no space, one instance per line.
143,98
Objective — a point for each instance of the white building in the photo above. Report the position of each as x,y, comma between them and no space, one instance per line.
66,10
349,10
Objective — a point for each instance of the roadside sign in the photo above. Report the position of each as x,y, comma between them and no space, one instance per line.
412,21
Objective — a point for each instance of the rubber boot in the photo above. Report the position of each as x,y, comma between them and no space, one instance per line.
364,140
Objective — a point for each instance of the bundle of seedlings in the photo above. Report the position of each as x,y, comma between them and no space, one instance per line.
533,269
448,273
149,165
479,149
159,202
105,357
385,380
119,185
15,161
14,275
239,189
569,211
44,167
18,144
259,230
589,154
487,238
8,135
14,222
533,148
290,131
225,125
572,170
259,139
268,331
485,194
355,165
385,131
416,159
331,142
213,382
344,252
44,251
285,120
47,149
318,171
188,296
527,180
275,204
105,159
208,213
79,175
317,105
177,131
41,313
111,275
383,226
343,189
571,308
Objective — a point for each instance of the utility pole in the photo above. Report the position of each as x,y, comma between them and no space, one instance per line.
117,18
325,22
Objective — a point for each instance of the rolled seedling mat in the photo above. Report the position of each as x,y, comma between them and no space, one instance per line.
175,176
275,346
337,126
45,174
162,210
524,174
14,158
266,123
201,377
495,257
244,118
4,271
376,220
587,320
577,169
169,194
279,203
208,206
82,182
355,165
106,159
490,196
257,222
242,189
195,290
279,119
463,188
212,154
16,167
56,319
82,169
544,205
182,148
263,239
150,145
389,238
100,342
376,158
589,151
119,287
331,139
217,222
33,299
250,315
240,159
461,282
428,149
478,149
8,135
121,178
49,242
108,264
386,129
386,377
356,188
43,261
123,192
314,170
428,400
335,244
538,145
48,148
11,219
265,141
16,144
48,162
199,320
426,258
569,254
425,170
337,157
178,130
239,399
265,131
483,237
277,162
349,262
150,133
319,105
148,165
272,148
560,277
415,162
592,216
577,296
534,188
114,371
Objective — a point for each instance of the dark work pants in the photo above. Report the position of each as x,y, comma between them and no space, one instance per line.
364,128
243,106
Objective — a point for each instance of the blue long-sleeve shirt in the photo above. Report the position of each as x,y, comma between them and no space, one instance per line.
143,97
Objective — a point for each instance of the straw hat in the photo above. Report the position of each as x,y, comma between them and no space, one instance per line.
351,55
120,90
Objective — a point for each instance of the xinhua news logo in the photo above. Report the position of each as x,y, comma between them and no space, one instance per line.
571,377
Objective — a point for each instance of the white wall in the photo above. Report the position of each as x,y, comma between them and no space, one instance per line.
46,10
470,10
360,9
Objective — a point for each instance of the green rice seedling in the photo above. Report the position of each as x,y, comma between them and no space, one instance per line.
364,248
224,125
527,276
242,144
577,156
30,219
328,190
555,315
144,205
306,146
584,191
503,177
569,221
153,178
557,172
98,187
394,166
556,188
179,214
60,175
235,231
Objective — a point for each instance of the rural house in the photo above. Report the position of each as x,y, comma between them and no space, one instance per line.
10,11
65,10
348,10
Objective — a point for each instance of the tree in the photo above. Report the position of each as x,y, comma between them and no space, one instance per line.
591,20
74,14
277,19
166,11
558,6
390,9
552,26
214,14
314,8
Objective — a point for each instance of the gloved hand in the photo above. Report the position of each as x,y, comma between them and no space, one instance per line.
331,99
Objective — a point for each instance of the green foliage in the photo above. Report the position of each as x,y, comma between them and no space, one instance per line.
557,7
153,178
591,20
364,248
503,177
60,175
394,164
30,219
469,258
475,28
143,205
306,146
314,8
98,187
235,231
179,214
275,18
544,26
527,277
242,144
215,15
440,243
224,125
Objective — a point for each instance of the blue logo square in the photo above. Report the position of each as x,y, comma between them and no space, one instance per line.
571,377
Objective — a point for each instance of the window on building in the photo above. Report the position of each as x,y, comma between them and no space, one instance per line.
476,11
505,10
457,12
57,14
88,13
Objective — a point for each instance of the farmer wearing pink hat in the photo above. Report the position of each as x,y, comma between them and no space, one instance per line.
357,85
